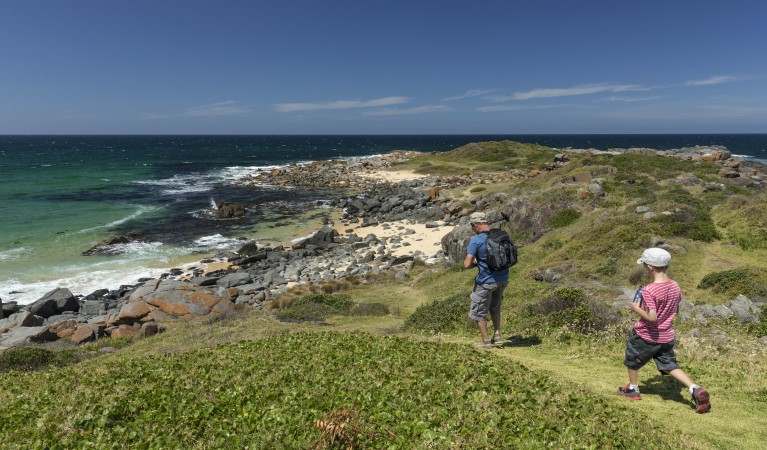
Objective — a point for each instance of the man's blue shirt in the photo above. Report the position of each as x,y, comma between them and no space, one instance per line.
478,249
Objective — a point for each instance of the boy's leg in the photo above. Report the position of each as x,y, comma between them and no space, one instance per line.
666,362
681,377
633,377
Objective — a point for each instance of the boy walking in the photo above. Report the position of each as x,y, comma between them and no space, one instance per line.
653,337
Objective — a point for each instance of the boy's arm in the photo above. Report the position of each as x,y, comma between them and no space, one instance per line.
650,316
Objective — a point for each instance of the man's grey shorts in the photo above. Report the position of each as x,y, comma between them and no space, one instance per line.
486,298
639,352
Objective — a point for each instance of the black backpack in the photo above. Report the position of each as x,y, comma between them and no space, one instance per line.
501,252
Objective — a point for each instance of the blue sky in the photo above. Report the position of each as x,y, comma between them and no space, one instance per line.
394,67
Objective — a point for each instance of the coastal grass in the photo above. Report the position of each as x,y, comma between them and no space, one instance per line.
490,157
324,390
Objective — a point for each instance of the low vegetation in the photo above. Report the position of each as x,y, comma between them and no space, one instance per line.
748,281
32,358
323,390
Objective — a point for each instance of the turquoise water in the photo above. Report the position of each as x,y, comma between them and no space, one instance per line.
59,195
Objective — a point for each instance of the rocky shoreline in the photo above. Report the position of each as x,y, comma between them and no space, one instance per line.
255,274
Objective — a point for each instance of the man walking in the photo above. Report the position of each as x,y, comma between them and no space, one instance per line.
487,295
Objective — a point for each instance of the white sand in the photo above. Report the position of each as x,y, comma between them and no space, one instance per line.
391,176
426,240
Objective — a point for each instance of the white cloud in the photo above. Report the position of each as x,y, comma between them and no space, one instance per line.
341,104
227,108
514,107
468,94
408,111
616,98
583,89
711,80
153,116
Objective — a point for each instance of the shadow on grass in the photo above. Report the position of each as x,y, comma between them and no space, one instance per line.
521,341
667,388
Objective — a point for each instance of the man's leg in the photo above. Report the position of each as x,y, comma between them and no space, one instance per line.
495,310
482,325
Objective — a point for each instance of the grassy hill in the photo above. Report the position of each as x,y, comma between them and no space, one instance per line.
391,363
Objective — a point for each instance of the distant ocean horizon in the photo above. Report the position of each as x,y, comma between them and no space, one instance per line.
61,194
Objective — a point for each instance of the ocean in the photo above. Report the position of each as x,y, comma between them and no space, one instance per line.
60,195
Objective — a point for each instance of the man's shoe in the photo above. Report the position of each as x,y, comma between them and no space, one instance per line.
630,393
496,339
700,397
485,345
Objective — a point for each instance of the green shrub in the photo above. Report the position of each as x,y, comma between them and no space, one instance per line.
441,316
691,219
746,222
27,359
563,218
369,309
608,268
316,307
749,281
569,307
759,328
477,189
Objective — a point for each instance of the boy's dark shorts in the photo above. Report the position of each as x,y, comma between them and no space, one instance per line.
639,352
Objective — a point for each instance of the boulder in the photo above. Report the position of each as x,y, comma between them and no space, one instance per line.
55,302
25,335
250,248
21,319
115,245
94,307
85,333
744,310
123,331
227,210
171,299
234,279
323,238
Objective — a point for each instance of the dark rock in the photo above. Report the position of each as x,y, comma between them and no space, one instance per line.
55,302
249,249
97,294
25,335
234,279
112,245
205,281
227,210
94,307
21,319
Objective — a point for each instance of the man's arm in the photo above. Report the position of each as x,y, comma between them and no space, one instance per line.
469,261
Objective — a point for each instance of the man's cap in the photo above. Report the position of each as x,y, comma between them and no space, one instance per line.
656,257
478,217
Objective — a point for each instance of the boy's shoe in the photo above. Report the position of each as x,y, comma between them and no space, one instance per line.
496,339
627,392
700,397
485,345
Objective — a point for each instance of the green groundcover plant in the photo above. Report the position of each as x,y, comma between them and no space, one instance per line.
313,390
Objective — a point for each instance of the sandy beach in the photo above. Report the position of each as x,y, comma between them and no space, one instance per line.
415,237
